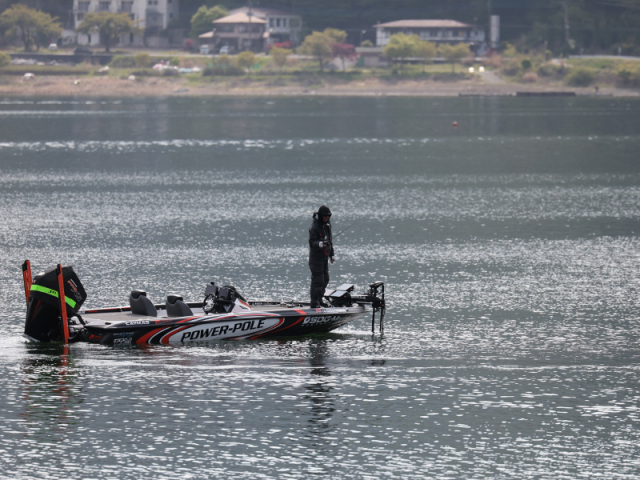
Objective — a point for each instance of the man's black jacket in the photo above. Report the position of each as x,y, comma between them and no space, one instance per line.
319,232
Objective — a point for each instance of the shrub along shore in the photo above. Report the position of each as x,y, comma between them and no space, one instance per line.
180,73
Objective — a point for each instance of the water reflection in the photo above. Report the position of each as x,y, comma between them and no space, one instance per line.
50,392
318,434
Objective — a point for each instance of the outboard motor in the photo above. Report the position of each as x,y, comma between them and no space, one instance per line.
44,322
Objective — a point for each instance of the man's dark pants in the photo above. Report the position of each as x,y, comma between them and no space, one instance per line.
319,281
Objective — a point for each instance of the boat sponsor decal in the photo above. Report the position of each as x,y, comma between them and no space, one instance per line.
54,293
333,310
228,329
309,321
123,334
95,338
122,341
138,322
74,288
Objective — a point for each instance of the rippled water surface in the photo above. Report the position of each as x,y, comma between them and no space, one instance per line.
509,246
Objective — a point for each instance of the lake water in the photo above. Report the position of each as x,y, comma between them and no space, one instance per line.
509,246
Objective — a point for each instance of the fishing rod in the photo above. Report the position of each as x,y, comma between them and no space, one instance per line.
344,230
336,235
390,232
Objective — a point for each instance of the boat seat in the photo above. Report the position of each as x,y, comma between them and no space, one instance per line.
141,305
176,307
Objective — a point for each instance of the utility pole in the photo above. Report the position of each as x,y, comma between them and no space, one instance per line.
487,35
489,10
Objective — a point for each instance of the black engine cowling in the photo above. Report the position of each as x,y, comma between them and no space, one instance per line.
220,299
43,321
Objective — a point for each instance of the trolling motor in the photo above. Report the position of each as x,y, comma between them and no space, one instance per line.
342,297
377,302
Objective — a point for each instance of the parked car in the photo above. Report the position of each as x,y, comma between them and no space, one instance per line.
224,50
204,49
53,47
82,51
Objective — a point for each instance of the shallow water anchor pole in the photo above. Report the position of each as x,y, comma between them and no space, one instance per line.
373,320
377,304
63,304
26,275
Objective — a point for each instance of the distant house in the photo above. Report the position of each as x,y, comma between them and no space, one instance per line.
281,26
152,15
371,57
239,31
436,31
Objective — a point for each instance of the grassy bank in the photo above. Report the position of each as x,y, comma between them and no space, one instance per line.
134,74
576,72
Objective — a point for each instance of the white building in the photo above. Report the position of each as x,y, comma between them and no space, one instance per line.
436,31
152,15
281,26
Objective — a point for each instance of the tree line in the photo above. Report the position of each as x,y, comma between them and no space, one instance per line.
535,24
556,25
38,28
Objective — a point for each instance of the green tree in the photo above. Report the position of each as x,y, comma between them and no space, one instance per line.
510,50
246,60
579,77
338,36
5,59
109,25
279,56
402,46
426,50
35,26
454,53
202,19
48,28
224,62
317,45
142,60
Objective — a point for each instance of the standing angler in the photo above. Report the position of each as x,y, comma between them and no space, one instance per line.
320,251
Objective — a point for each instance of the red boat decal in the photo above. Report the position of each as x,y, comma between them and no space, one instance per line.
292,325
165,340
301,311
186,320
146,337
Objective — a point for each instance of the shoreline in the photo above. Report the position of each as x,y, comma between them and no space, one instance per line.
111,86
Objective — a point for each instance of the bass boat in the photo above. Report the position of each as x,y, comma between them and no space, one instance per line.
55,298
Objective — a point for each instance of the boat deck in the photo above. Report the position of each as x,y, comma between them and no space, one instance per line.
108,316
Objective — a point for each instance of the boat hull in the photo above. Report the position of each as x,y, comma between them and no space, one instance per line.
103,329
